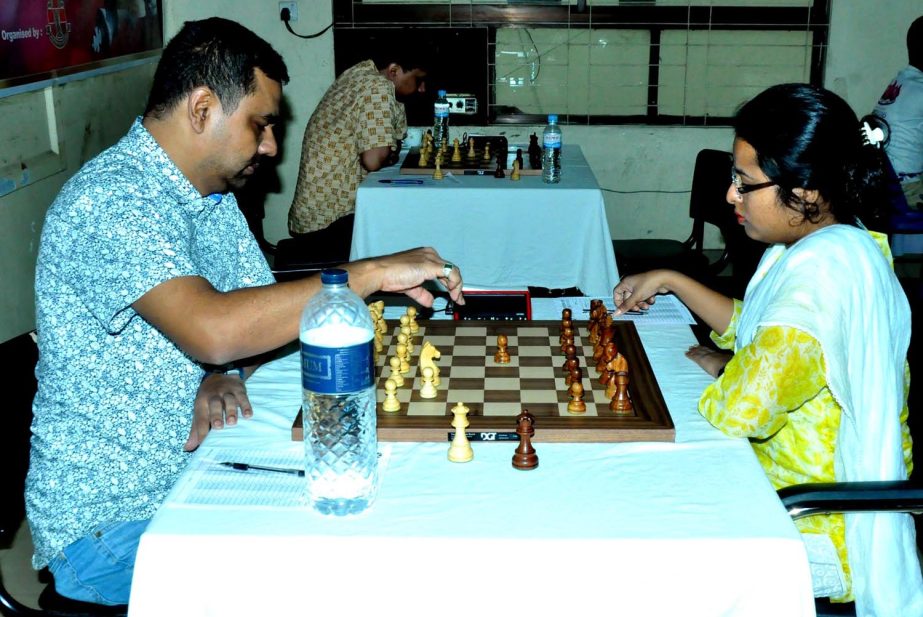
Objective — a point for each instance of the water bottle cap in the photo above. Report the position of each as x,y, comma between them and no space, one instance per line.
552,118
334,276
442,94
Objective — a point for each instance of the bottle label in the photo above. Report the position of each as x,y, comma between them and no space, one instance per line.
552,140
441,110
337,370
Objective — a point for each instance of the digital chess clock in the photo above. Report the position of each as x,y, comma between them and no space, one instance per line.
493,305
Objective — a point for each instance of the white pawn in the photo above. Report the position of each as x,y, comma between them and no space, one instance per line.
460,451
412,314
395,364
402,354
428,389
391,403
405,330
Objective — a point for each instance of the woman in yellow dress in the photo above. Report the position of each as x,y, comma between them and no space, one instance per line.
818,377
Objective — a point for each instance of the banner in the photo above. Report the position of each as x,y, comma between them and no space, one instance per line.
40,39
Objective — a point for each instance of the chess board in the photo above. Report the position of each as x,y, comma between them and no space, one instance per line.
477,165
533,380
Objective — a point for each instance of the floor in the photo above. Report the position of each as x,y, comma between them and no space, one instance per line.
23,583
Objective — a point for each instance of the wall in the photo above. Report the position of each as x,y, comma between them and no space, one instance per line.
92,114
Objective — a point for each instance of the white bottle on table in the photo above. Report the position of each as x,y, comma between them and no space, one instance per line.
551,151
338,399
440,121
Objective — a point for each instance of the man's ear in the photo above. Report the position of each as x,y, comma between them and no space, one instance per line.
393,71
199,107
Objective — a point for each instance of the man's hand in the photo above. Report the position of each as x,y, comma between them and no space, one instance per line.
218,401
406,272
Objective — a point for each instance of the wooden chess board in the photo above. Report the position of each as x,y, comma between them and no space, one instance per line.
411,164
533,380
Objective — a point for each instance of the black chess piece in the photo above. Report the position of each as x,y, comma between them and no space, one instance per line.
525,457
498,173
535,152
522,164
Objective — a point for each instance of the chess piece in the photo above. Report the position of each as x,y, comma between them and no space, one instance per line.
502,356
576,404
525,457
391,404
401,350
424,156
567,315
412,314
620,402
456,151
438,175
515,173
428,389
471,152
405,330
428,356
521,163
535,152
395,363
486,156
499,173
460,451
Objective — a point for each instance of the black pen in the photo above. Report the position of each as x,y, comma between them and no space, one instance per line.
247,467
402,181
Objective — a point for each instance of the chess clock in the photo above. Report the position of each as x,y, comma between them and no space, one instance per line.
494,305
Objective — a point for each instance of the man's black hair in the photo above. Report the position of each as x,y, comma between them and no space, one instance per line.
217,53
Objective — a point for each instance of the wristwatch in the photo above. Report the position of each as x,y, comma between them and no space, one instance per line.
224,369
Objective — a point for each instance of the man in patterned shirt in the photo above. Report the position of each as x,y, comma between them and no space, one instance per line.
357,128
146,274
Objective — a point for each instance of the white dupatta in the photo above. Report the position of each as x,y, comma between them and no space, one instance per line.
837,286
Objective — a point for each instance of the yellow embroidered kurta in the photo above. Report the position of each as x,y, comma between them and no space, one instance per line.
774,392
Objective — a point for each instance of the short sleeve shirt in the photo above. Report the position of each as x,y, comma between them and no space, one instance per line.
358,112
115,396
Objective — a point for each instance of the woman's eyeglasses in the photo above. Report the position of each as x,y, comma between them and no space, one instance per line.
742,188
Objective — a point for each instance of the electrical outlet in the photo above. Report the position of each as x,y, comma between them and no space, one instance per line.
292,10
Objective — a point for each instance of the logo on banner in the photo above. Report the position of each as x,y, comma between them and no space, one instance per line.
58,28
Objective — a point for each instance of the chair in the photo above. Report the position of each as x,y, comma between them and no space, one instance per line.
20,356
803,500
707,204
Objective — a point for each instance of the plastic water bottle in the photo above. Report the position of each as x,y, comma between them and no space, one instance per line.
338,398
440,121
551,151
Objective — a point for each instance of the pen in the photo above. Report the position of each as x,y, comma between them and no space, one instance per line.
407,181
247,467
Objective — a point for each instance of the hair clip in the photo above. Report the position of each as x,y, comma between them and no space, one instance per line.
872,137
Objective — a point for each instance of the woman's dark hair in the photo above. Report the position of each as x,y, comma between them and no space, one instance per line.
808,137
217,53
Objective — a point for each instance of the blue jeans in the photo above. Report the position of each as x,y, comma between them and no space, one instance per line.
98,567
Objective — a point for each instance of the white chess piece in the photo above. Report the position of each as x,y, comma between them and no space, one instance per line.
460,451
391,403
395,364
428,389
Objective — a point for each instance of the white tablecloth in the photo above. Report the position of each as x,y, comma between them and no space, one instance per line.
691,528
503,234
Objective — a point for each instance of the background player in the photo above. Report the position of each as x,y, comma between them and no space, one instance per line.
357,127
818,378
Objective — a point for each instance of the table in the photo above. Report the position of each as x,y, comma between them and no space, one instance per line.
503,234
690,528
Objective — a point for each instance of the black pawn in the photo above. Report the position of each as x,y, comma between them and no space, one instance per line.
525,457
498,173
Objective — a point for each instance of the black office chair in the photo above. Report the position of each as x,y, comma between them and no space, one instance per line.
19,356
803,500
707,204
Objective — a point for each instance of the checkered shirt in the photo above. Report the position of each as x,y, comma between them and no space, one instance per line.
359,112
